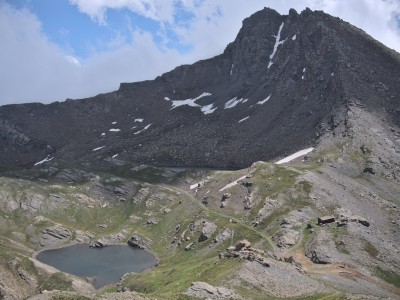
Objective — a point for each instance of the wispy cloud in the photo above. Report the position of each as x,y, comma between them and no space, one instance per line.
34,69
159,10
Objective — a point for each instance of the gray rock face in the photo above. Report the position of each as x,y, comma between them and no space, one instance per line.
286,238
138,242
301,93
204,290
54,235
99,244
207,231
224,235
322,250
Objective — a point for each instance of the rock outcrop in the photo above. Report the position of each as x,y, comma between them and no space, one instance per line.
204,290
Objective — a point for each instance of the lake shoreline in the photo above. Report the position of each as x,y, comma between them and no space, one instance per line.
120,261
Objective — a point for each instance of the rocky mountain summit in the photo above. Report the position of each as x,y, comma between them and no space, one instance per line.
282,84
133,166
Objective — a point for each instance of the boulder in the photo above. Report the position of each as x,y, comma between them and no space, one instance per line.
286,238
152,221
247,183
322,249
242,244
99,244
204,290
137,242
189,246
360,220
207,231
225,196
224,235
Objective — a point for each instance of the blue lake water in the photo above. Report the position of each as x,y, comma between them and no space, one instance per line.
105,265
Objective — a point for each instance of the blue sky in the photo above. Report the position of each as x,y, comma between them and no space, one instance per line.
60,49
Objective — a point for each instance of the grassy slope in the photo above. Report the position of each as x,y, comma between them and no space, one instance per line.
177,267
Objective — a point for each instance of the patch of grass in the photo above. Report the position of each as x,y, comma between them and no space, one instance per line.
306,186
372,251
388,276
340,247
57,281
170,279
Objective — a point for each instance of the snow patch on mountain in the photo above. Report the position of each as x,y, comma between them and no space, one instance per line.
294,156
277,43
115,130
233,183
208,109
244,119
265,100
139,120
98,148
233,102
189,102
145,128
48,158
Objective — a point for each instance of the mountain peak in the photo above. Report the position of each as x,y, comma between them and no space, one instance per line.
280,86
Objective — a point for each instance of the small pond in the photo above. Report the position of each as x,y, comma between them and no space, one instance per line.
104,265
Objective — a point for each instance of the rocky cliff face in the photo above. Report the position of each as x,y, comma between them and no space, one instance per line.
285,82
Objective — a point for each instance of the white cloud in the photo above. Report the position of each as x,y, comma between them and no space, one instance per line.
158,10
73,60
216,23
35,69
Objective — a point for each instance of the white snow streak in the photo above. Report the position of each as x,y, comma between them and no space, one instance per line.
114,122
115,155
234,101
139,120
115,130
97,149
231,70
166,98
304,69
265,100
146,127
294,156
233,183
244,119
43,161
277,43
189,102
294,38
208,109
103,134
